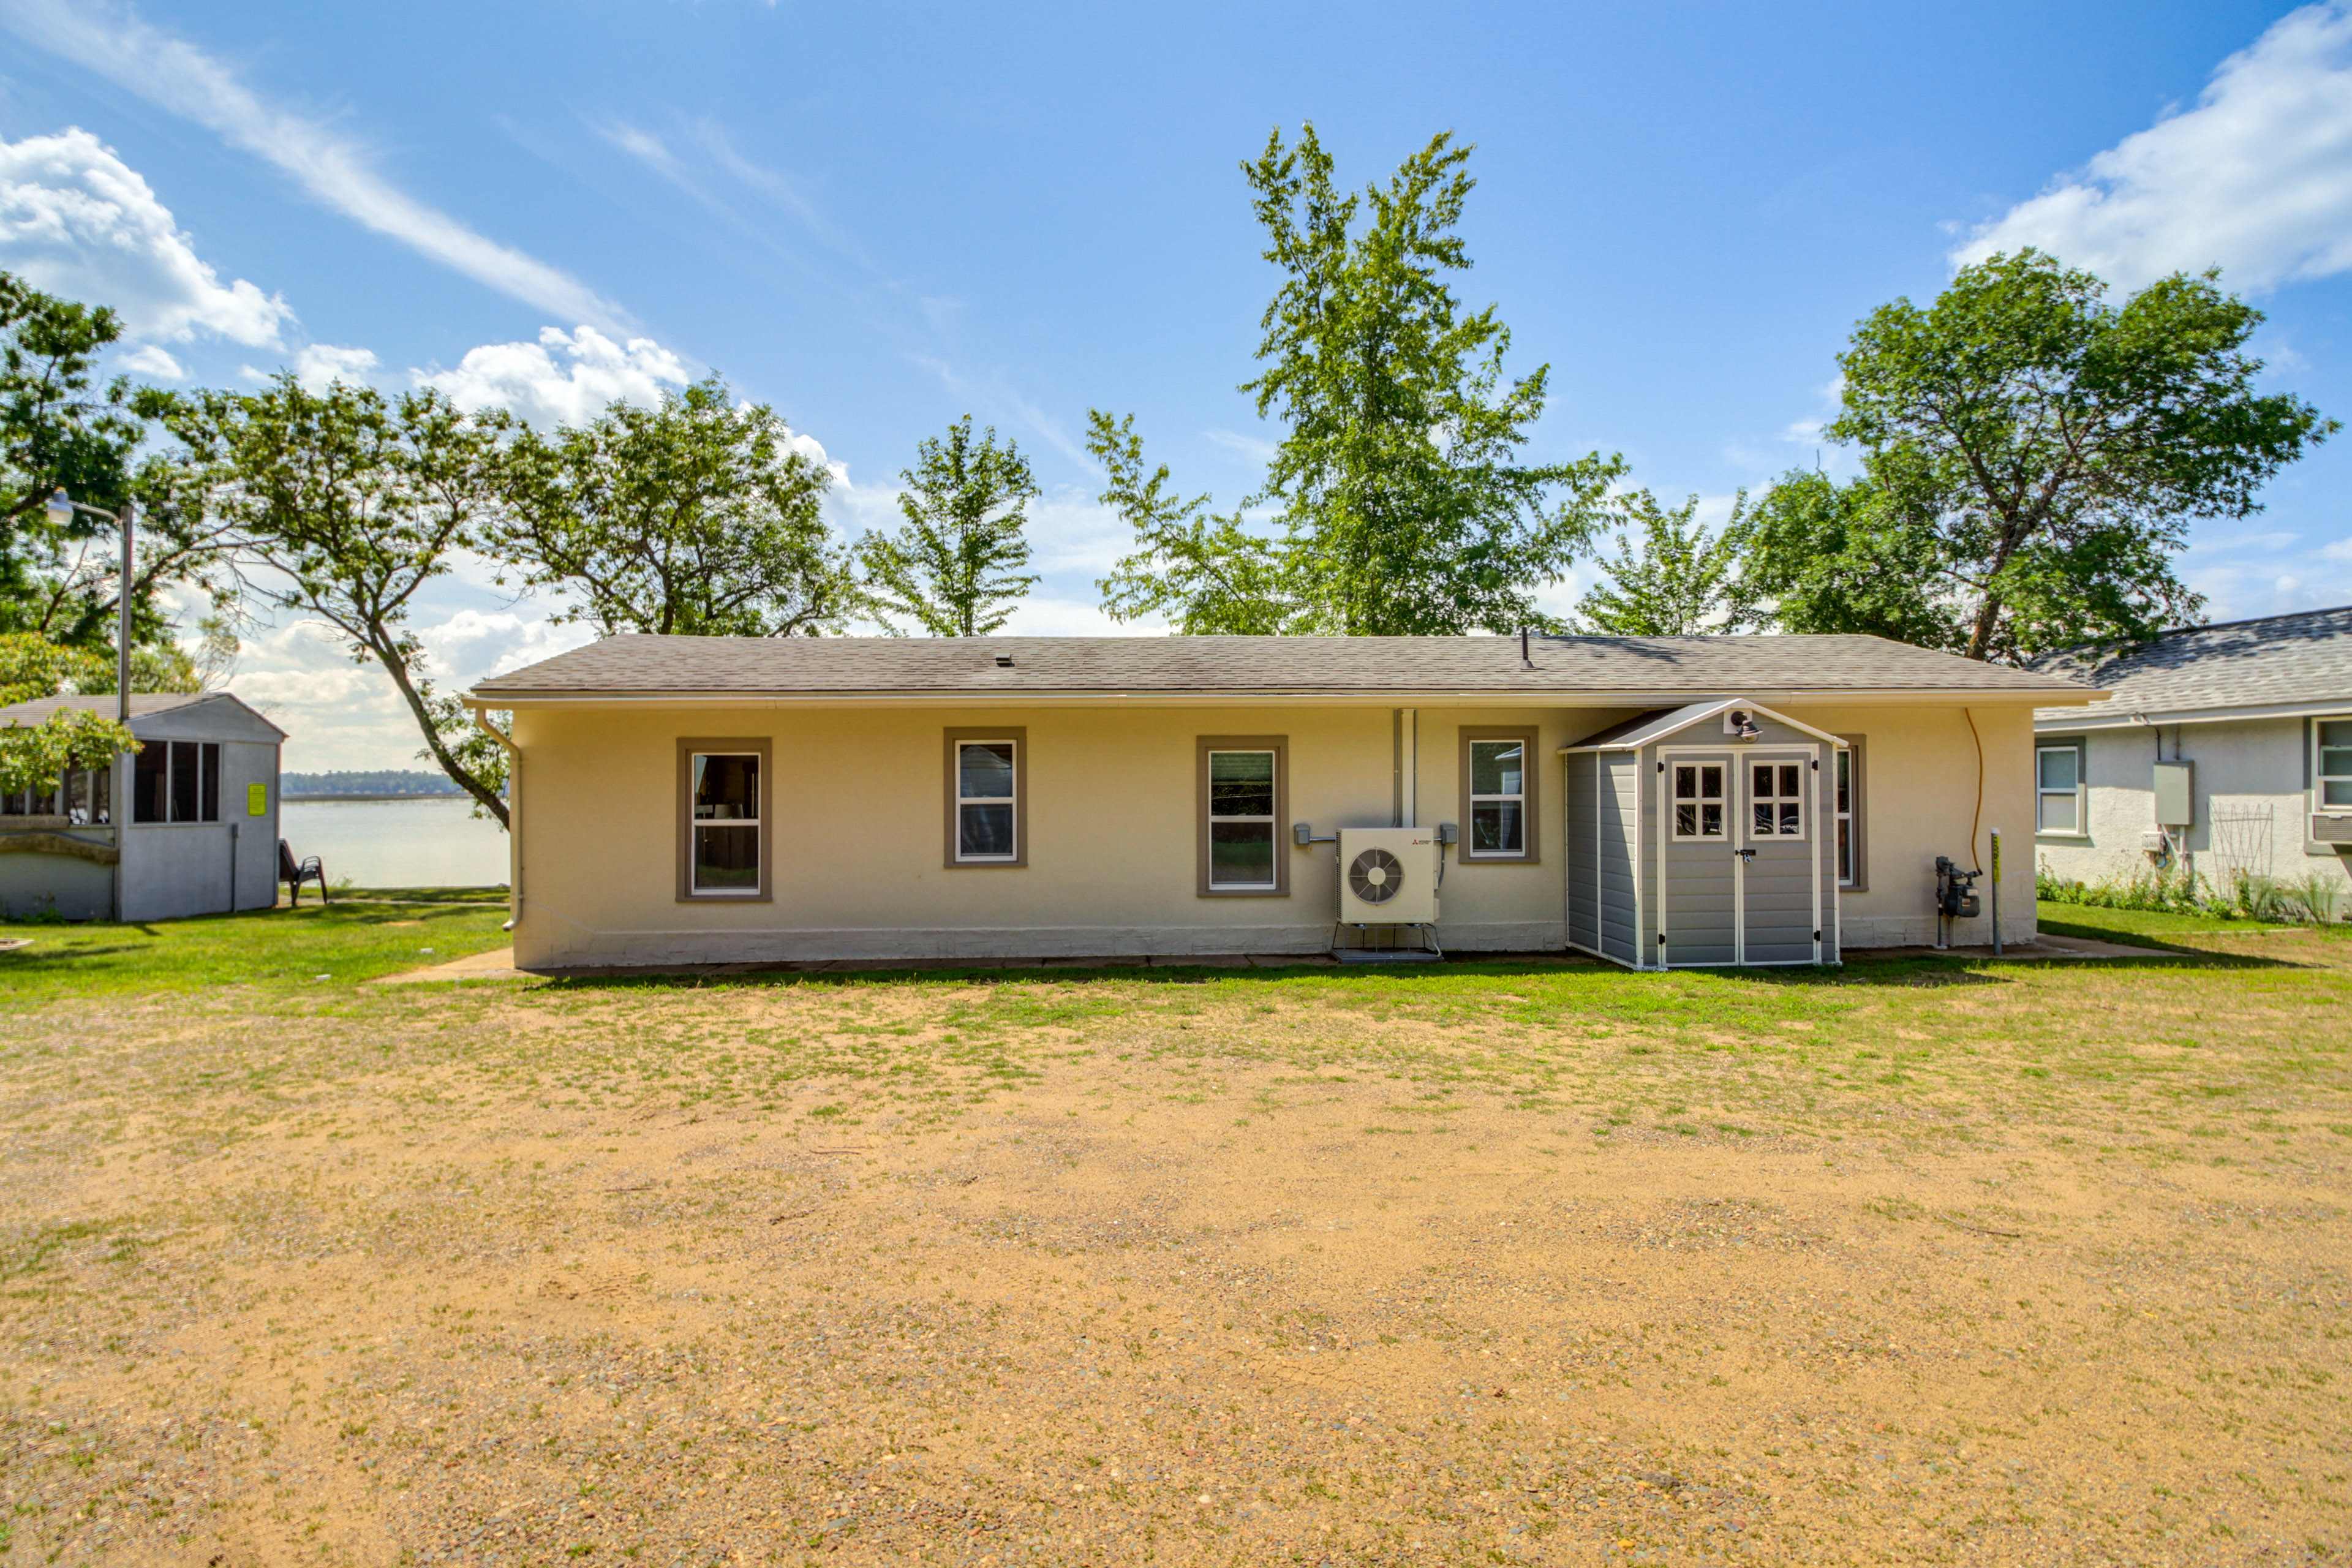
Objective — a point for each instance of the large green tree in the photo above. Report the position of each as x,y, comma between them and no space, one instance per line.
1401,502
698,516
2033,458
349,502
1671,575
954,566
1205,574
61,428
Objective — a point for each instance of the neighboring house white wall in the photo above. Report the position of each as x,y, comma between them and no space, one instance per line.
2252,799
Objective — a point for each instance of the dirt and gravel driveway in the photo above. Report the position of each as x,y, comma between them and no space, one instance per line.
1563,1266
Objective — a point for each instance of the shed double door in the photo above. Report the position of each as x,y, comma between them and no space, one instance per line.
1738,856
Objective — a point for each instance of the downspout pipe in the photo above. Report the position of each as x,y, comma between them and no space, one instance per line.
514,813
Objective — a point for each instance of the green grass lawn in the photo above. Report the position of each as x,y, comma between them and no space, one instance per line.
285,949
2157,928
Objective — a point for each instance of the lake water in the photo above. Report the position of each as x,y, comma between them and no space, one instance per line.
435,842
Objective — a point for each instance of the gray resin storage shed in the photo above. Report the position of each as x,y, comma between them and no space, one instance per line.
186,827
1704,835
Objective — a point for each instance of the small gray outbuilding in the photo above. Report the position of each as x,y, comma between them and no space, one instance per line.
188,826
1713,829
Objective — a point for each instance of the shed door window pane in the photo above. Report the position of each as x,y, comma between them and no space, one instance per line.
725,824
1498,798
2335,763
151,784
987,777
1776,800
1241,819
1699,800
2058,773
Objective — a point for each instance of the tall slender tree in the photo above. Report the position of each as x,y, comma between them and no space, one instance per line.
954,567
1679,580
1402,500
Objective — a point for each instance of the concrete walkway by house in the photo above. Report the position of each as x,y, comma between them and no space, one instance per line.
498,964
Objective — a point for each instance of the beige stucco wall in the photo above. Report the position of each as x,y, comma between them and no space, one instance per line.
856,796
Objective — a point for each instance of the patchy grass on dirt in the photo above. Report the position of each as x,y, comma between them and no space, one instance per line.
1921,1261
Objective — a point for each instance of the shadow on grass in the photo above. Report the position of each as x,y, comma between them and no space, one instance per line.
1910,972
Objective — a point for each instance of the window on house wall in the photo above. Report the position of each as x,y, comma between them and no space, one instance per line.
2058,789
724,848
987,801
1501,799
2332,763
1849,812
1243,789
1699,800
176,781
1776,800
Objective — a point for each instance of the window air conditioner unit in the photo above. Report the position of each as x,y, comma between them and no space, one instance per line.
1388,876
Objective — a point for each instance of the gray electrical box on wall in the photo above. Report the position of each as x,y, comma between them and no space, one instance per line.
2176,791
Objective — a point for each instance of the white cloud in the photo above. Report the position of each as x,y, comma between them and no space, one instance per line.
111,40
76,220
564,378
1256,449
153,361
1041,616
320,365
2256,179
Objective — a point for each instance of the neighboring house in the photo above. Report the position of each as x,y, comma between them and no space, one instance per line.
2223,749
188,826
732,799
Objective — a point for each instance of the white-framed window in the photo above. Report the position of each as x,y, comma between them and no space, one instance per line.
2331,754
1776,800
1498,800
1241,794
987,801
723,851
1849,811
1699,800
2058,789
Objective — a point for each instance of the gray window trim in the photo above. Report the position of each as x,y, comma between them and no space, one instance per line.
1531,852
1019,735
2080,746
2317,809
722,745
1857,817
1280,746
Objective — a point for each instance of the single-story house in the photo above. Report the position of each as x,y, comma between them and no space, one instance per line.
2221,749
186,825
718,799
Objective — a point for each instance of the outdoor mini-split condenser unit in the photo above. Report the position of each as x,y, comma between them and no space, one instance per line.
1388,876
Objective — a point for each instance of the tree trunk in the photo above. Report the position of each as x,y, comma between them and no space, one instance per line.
458,771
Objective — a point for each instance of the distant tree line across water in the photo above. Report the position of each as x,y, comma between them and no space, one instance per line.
350,782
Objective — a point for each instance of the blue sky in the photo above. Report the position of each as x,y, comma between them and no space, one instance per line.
878,217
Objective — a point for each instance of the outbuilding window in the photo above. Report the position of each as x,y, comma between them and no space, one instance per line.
176,781
2332,754
1849,782
723,827
1699,800
1243,795
1498,794
1776,800
987,797
2058,789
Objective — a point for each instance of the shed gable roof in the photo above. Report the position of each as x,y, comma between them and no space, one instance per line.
1632,735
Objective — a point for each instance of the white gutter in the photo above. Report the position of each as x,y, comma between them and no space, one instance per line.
2117,717
514,813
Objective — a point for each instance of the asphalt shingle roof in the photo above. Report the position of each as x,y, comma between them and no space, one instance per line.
1662,668
2301,657
143,704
